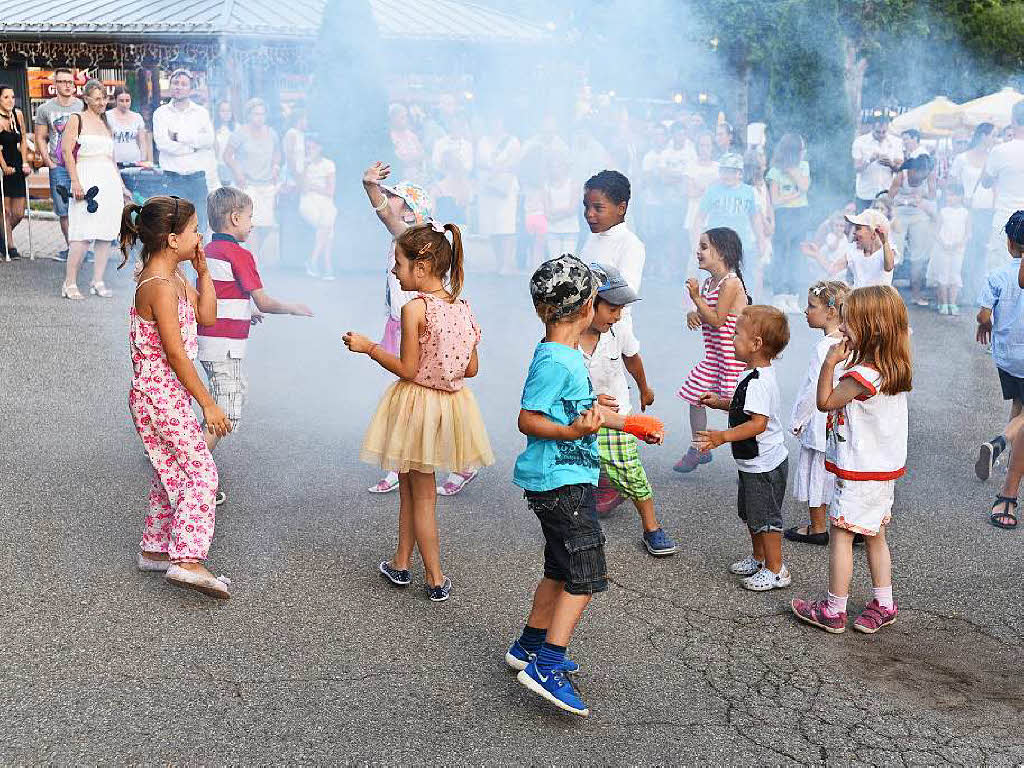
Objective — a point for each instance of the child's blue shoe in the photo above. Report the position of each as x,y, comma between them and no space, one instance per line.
519,658
555,687
659,543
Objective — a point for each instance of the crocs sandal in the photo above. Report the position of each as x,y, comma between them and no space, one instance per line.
1004,502
450,488
383,486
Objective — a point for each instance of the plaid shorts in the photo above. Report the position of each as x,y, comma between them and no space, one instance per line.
621,463
228,386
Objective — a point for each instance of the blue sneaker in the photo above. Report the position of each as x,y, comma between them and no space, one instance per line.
555,687
440,594
519,658
394,575
659,543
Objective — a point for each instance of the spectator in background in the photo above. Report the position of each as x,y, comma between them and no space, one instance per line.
725,138
967,170
254,156
877,156
434,127
50,119
183,134
666,172
457,140
731,203
913,197
453,193
562,206
316,205
1004,171
911,139
408,149
131,140
14,167
702,174
294,146
498,153
755,165
789,180
224,125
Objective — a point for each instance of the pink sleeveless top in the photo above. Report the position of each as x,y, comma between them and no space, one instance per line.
447,343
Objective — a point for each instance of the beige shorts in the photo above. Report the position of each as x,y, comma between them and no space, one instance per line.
228,386
264,204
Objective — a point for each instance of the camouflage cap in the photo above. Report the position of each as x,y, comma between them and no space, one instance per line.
565,283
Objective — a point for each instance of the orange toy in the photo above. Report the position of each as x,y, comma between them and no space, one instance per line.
644,426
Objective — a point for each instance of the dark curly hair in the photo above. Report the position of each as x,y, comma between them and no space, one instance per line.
614,186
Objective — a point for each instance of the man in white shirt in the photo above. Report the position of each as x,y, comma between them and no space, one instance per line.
876,157
1004,174
184,136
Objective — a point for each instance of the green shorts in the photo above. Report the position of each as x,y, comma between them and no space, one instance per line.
620,462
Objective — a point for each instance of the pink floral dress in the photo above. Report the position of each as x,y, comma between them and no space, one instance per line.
182,497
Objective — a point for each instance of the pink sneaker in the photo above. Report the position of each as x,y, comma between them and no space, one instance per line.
874,617
691,460
815,614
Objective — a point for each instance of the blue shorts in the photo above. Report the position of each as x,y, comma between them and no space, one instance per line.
59,175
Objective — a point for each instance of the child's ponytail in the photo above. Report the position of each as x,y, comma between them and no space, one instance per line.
129,234
456,274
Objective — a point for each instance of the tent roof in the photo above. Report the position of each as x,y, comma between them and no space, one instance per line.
444,20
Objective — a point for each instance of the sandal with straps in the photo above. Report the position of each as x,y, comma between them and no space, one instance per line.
994,517
100,289
71,292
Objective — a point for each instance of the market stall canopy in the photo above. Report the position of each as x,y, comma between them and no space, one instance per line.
939,117
448,20
994,108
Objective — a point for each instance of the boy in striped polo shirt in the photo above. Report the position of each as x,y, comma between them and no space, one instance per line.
236,280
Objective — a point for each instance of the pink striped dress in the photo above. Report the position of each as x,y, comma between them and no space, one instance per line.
719,372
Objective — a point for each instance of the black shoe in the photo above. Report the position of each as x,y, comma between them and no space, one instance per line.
858,538
793,534
220,497
988,453
440,594
13,253
395,576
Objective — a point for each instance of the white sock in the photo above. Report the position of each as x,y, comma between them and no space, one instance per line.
884,596
837,604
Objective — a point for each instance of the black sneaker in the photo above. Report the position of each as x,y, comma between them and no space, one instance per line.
440,594
61,255
13,253
987,455
220,497
395,576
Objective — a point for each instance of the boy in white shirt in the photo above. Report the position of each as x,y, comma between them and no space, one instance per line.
608,346
758,444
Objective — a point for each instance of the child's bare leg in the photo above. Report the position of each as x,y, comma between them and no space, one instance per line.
544,599
953,294
406,537
819,519
329,249
879,560
424,498
646,509
1015,468
756,546
771,549
840,561
566,615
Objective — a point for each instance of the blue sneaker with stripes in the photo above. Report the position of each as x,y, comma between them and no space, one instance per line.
555,687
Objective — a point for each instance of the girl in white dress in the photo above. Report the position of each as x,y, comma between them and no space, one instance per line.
94,215
317,207
944,269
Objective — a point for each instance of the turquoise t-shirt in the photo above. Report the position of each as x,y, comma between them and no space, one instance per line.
558,386
731,207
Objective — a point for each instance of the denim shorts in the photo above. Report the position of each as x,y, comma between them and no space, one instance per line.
573,539
59,175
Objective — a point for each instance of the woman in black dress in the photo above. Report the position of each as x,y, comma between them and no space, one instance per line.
13,165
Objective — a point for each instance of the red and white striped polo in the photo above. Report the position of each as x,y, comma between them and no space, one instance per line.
235,276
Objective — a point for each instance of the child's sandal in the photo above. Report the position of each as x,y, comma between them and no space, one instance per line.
996,518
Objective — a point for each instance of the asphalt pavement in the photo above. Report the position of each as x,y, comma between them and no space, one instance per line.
315,659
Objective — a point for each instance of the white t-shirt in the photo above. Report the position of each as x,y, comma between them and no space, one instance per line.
866,439
618,247
875,177
805,409
969,177
1006,165
870,270
953,226
763,398
607,368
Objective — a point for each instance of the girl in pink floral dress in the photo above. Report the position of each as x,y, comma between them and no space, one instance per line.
428,419
179,526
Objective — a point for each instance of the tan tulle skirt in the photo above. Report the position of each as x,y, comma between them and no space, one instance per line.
420,429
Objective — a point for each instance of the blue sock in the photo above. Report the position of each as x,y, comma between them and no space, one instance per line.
549,657
532,638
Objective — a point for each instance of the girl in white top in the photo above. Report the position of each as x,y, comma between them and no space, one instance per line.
814,484
131,141
866,449
316,206
875,258
948,256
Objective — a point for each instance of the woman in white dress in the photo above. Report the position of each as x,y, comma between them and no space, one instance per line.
94,214
497,164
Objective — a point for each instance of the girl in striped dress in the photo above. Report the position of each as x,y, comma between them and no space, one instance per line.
718,302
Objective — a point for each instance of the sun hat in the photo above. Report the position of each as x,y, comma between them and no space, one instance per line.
870,217
415,196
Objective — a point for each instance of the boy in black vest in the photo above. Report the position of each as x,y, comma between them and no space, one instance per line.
758,444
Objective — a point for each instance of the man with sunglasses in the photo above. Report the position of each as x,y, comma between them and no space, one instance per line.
183,134
50,119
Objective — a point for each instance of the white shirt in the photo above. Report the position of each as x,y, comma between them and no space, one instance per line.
875,177
969,177
606,366
867,438
763,399
463,149
805,410
618,247
1006,165
193,150
870,270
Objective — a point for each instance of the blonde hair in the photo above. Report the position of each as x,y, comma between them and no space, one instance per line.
548,313
832,292
770,325
880,325
222,202
429,242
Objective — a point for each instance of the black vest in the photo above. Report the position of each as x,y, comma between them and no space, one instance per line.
742,449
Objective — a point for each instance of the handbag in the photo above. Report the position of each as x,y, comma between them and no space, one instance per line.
58,149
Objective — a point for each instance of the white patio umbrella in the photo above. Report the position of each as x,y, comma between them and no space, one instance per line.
994,108
936,118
